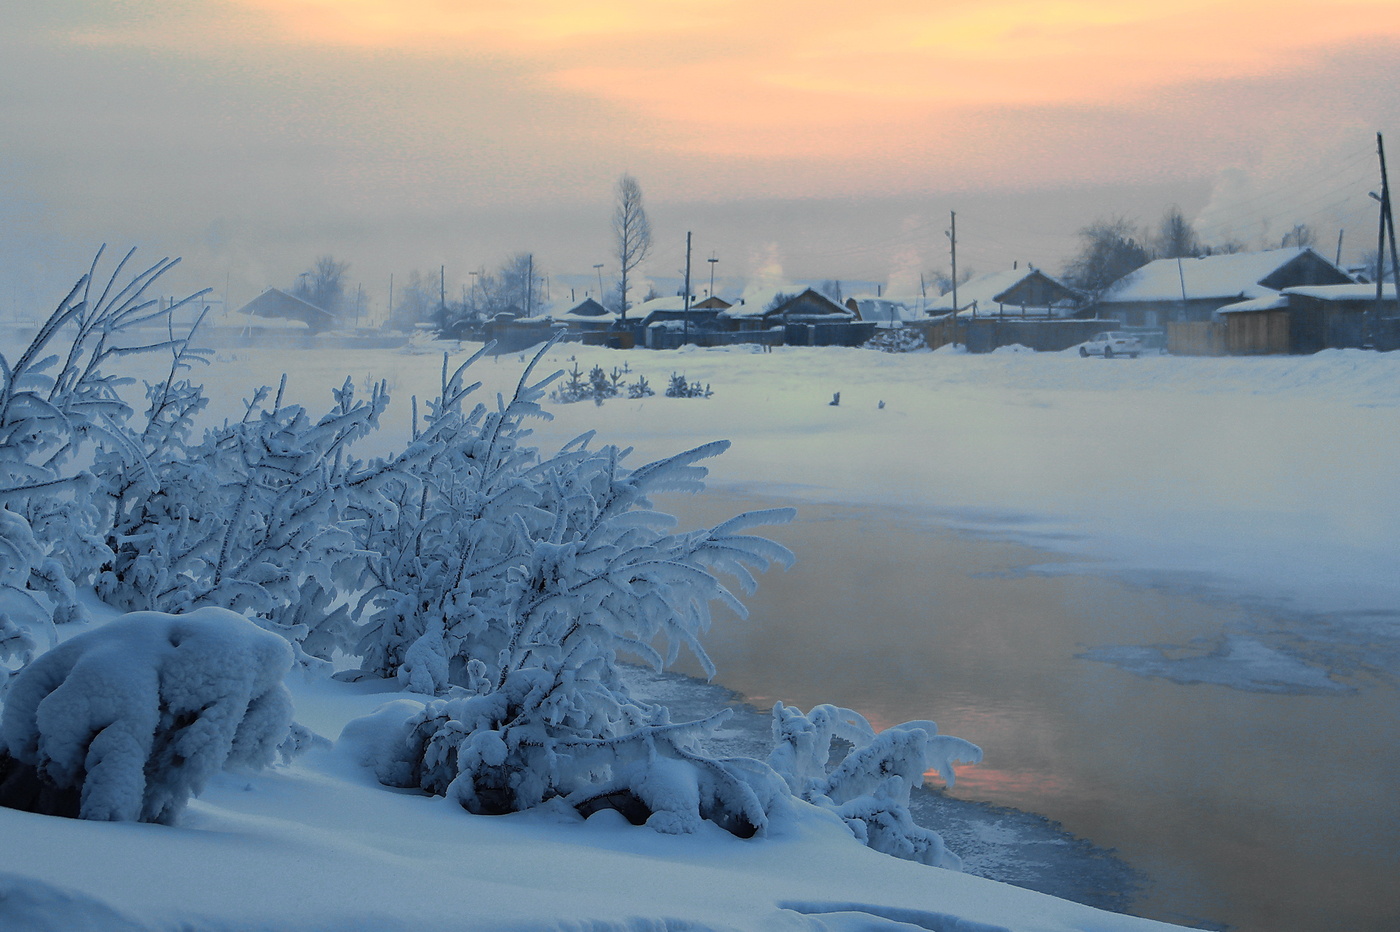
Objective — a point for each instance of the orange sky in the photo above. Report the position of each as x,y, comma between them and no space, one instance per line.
772,78
395,126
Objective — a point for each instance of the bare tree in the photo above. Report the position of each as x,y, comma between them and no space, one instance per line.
1176,237
1301,235
323,285
518,283
632,232
1374,271
417,299
1109,250
942,282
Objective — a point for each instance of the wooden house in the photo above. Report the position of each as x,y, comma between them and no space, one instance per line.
1025,292
808,307
1340,316
275,303
1192,290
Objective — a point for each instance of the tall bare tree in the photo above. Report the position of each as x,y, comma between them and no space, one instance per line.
1109,249
324,285
1176,237
1301,235
631,231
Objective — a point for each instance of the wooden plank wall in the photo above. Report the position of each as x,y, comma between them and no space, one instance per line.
1257,334
1196,338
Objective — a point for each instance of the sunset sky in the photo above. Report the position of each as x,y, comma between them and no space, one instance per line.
817,138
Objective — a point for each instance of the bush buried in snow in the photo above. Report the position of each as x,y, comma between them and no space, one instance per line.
127,721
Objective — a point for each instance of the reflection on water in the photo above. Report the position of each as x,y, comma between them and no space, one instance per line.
1264,809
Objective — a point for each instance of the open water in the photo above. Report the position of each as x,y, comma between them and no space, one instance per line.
1242,762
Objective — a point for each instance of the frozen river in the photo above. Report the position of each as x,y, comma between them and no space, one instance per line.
1243,761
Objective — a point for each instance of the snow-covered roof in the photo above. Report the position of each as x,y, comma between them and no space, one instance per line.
589,308
991,290
1237,275
274,302
587,311
756,300
672,302
1272,301
1342,292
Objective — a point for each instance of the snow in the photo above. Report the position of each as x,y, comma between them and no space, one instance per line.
1269,478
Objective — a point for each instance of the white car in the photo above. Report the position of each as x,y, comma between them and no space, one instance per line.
1110,344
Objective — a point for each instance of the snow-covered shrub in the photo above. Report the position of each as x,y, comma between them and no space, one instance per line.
248,519
869,788
507,582
56,397
127,721
896,340
640,388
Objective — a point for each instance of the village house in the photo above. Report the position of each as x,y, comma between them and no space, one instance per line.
1307,319
275,303
1027,292
1192,290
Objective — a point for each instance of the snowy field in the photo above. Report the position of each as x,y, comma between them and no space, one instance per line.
1269,480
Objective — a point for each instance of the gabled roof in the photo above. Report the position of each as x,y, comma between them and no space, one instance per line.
1238,275
756,299
810,304
588,308
587,311
1009,288
277,303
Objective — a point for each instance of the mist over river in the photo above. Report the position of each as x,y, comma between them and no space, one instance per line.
1246,769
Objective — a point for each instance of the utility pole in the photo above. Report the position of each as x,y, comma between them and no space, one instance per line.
686,297
1387,221
598,267
391,296
530,287
1389,218
442,296
953,240
1340,233
712,260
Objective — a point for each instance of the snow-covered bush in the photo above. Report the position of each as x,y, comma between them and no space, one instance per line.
55,398
248,519
508,582
127,721
869,788
896,340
